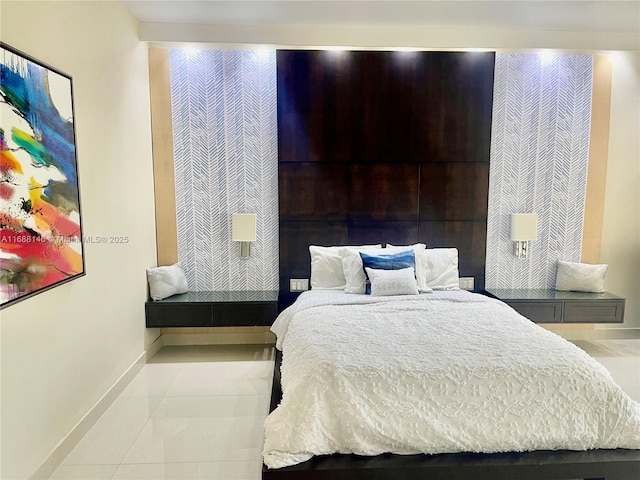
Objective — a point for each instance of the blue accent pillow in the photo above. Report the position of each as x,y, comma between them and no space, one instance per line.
392,261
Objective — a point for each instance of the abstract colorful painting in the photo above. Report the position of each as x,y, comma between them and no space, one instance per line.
40,227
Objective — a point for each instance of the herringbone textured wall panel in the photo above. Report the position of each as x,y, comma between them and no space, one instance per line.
539,160
225,150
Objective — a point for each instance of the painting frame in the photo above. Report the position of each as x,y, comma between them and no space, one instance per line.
41,241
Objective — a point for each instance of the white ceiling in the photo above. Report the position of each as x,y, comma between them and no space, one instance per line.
573,16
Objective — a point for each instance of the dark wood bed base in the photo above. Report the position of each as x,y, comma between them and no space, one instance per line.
540,465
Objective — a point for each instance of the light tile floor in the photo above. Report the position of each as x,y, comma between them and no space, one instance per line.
196,412
193,412
621,357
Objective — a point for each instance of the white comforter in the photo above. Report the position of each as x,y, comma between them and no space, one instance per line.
435,373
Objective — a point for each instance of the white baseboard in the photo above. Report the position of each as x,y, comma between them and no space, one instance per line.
68,443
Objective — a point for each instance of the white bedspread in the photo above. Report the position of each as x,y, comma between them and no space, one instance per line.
435,373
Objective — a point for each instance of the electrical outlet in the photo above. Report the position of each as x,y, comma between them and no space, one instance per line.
298,284
466,283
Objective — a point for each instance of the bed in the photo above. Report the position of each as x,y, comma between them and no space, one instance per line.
446,384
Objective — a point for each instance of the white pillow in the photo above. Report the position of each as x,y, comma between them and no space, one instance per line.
326,267
437,268
415,246
393,282
166,281
353,270
581,277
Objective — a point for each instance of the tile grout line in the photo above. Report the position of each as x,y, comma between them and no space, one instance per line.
143,425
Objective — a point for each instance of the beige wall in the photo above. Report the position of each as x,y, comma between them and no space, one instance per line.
63,349
621,223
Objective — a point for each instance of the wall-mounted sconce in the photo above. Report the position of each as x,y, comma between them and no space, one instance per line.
524,227
243,230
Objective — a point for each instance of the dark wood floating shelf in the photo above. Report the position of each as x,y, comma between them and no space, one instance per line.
213,309
552,306
619,464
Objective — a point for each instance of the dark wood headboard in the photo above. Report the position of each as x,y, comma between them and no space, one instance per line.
383,147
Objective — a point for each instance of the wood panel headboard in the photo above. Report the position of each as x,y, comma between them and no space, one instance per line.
383,147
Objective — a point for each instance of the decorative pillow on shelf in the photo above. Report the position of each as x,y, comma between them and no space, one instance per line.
437,269
386,261
581,277
392,282
166,281
353,269
326,266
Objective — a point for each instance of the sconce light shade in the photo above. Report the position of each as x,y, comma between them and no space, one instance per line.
524,227
243,227
243,230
